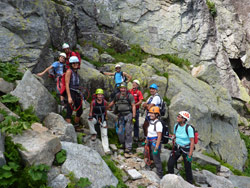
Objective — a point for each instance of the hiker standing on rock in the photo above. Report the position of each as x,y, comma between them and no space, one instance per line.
138,100
72,81
153,100
98,116
69,54
125,108
119,78
153,141
184,145
56,70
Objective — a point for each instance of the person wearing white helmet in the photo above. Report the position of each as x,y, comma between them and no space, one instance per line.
119,77
56,70
137,94
184,145
69,54
72,84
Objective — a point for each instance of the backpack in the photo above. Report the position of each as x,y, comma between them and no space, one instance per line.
196,134
102,116
162,105
124,78
60,84
77,55
118,98
165,132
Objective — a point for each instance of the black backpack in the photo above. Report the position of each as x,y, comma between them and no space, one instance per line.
165,132
196,134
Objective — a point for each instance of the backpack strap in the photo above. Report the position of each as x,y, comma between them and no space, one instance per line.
176,128
155,124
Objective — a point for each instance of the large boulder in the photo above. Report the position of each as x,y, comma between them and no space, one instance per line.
32,93
172,180
6,87
59,127
39,147
212,115
7,110
205,160
87,163
2,158
59,182
240,181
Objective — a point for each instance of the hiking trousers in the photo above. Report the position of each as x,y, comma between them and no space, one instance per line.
104,133
125,130
136,125
77,102
173,160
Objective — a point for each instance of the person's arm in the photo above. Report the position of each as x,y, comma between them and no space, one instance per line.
108,73
191,147
158,142
139,102
111,104
133,110
127,76
91,109
46,70
140,98
67,80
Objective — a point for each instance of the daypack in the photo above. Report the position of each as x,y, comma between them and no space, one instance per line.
118,98
60,84
124,78
196,134
162,105
77,55
165,132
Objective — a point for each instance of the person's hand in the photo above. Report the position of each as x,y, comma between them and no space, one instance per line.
189,158
39,74
144,105
90,118
155,152
133,120
70,101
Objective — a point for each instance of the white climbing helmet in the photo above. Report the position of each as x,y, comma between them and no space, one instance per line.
185,115
137,81
73,59
118,66
65,45
63,55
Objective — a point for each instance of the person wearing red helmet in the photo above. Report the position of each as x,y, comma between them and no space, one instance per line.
184,145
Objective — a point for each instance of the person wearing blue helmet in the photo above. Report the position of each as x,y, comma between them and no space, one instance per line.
153,100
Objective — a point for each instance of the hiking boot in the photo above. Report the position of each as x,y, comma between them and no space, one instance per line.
128,151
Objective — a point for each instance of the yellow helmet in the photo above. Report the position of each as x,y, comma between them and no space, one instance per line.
99,91
154,110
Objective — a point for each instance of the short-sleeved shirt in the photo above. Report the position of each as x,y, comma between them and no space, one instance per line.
182,138
58,67
151,128
156,100
122,102
137,96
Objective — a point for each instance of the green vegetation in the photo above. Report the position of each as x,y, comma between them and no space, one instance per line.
164,167
113,138
60,157
247,164
208,167
74,183
175,60
15,174
118,173
167,100
27,117
9,72
79,137
211,7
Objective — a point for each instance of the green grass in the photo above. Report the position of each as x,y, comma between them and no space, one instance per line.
9,72
246,171
211,7
208,167
175,60
118,173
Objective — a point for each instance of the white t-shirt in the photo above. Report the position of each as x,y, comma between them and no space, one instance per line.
151,128
156,100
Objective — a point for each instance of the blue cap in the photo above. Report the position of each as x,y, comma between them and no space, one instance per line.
154,86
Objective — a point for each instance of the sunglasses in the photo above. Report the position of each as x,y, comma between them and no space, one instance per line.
74,63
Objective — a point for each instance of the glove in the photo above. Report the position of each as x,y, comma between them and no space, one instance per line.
189,159
155,152
143,143
133,120
101,72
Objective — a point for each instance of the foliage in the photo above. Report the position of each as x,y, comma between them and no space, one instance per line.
164,167
74,183
235,171
118,173
15,174
60,157
172,58
167,100
113,138
208,167
141,186
247,164
140,155
56,96
10,101
79,137
211,7
9,72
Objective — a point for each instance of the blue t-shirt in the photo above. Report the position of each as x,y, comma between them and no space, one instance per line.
182,138
58,67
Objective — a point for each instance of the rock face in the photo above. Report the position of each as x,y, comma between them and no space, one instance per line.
32,93
59,127
2,158
85,162
211,114
172,180
40,147
240,181
6,87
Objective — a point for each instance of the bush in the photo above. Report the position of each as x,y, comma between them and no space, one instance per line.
211,7
9,72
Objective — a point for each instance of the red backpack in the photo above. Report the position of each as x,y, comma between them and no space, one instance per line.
74,54
60,84
196,134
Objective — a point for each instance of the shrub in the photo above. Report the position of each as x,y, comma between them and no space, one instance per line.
9,72
211,7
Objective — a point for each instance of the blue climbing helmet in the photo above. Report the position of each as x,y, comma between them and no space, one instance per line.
154,86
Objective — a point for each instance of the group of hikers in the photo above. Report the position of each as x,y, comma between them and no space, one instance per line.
126,104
